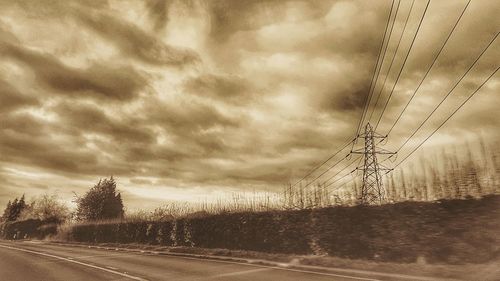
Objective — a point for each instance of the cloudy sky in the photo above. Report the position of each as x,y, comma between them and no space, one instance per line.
185,100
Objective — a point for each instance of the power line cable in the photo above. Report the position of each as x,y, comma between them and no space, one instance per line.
342,185
350,173
403,65
340,171
347,144
392,61
446,120
323,163
449,93
324,172
339,179
377,68
428,70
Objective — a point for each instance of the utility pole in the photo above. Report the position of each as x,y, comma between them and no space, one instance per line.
372,189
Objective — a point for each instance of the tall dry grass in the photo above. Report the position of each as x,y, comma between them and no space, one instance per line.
457,172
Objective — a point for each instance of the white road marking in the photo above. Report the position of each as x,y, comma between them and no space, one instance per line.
347,271
279,268
240,272
106,256
77,262
256,265
113,268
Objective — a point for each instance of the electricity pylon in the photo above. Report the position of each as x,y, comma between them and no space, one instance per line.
372,189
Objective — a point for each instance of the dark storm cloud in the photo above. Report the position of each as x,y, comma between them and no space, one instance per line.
101,81
261,173
357,29
158,11
43,152
24,140
23,124
196,129
229,17
129,38
189,117
53,8
226,88
269,174
343,96
88,118
306,137
154,153
136,42
12,99
6,35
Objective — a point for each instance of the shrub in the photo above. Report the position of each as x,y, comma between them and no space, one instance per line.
101,202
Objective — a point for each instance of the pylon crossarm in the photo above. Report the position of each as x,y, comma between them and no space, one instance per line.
375,136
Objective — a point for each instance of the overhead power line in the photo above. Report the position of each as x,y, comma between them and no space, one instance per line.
350,173
340,171
392,61
448,118
339,179
449,93
314,169
403,65
428,70
380,59
344,184
326,171
323,163
325,186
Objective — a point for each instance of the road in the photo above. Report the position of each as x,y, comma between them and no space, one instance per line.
43,261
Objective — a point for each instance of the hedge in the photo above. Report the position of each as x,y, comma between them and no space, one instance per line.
28,229
447,231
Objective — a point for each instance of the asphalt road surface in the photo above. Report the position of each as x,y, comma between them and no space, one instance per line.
26,261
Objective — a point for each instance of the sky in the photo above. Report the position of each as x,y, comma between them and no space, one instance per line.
192,100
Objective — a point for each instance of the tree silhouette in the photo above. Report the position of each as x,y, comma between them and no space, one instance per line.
101,202
6,212
14,209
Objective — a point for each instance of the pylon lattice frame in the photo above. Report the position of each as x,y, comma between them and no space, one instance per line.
372,189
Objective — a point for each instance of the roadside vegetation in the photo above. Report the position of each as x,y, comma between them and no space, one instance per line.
37,219
444,209
101,202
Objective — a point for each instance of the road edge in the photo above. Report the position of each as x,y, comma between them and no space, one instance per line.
126,275
258,262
